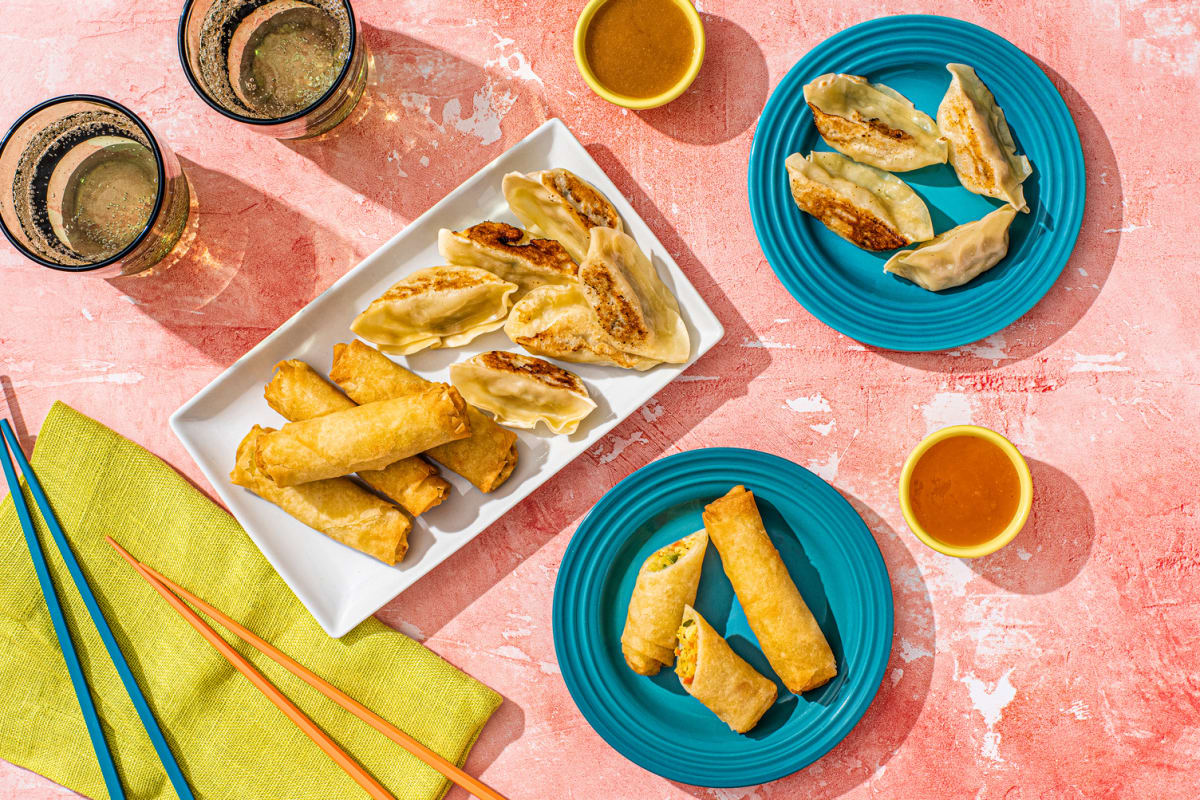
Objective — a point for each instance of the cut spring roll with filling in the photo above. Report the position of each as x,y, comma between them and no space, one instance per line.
338,507
719,678
370,436
297,392
788,633
487,458
665,584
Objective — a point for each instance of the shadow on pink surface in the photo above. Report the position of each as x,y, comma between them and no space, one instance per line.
253,262
727,95
1056,542
13,412
420,101
1083,277
894,711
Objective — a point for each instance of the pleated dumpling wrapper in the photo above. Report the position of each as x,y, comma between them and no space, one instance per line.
510,253
873,123
982,149
786,629
711,672
297,392
957,256
560,205
338,507
866,206
435,307
522,391
620,313
487,458
666,582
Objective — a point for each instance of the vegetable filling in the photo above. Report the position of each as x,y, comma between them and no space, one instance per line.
668,555
685,652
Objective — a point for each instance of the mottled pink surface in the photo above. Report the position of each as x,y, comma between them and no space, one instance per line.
1065,666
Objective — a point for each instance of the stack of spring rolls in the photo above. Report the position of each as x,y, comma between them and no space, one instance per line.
382,426
661,626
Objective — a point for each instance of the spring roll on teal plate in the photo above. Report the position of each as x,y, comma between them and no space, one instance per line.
786,629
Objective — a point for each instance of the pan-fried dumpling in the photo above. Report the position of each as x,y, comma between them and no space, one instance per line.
559,205
981,145
619,313
864,205
557,321
511,253
634,307
873,123
522,391
436,307
957,256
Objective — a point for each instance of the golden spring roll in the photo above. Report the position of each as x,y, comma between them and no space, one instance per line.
297,392
338,507
711,672
370,436
665,584
486,459
786,629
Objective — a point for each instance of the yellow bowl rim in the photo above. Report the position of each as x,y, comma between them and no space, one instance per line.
1024,504
639,103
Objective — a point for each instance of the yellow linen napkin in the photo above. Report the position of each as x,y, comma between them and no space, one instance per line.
229,740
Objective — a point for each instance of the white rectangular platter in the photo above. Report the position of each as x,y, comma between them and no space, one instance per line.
339,585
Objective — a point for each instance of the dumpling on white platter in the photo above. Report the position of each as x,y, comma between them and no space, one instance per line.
511,253
982,149
873,124
557,321
864,205
559,205
436,307
958,255
620,313
521,391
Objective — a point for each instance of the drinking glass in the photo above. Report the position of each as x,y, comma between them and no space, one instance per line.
289,68
85,186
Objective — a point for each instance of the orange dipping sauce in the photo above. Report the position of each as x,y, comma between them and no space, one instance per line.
639,48
964,491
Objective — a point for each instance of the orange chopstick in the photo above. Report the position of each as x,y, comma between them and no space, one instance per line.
165,587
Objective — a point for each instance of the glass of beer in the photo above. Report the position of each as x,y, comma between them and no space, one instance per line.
289,68
85,186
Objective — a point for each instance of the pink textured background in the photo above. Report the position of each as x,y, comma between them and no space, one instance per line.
1065,666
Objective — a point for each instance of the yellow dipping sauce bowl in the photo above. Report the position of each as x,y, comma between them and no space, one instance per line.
1023,505
639,103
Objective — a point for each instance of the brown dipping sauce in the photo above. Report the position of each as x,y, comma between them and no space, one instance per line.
639,48
964,491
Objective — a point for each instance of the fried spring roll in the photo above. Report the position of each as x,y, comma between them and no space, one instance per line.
711,672
365,437
486,459
338,507
786,630
298,392
665,584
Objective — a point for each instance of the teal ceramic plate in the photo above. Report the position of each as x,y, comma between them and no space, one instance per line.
846,288
830,554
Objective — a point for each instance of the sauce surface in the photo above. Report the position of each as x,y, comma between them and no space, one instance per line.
964,491
639,48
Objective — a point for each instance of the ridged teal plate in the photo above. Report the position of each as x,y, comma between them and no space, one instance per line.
829,553
845,287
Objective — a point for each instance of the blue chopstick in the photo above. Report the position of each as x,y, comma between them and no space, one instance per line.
107,767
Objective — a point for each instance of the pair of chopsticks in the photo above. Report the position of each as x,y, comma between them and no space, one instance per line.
86,704
172,593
